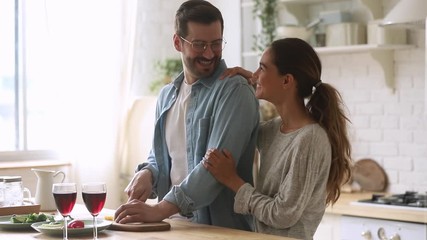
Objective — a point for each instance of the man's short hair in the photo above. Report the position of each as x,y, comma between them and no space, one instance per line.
198,11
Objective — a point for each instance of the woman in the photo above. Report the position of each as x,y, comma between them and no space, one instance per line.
304,153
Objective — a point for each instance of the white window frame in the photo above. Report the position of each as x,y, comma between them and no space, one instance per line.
22,153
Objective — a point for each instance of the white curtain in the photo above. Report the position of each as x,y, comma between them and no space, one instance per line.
136,137
101,52
91,60
129,19
151,36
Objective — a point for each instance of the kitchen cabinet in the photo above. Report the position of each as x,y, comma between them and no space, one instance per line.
368,228
329,228
345,227
348,220
302,12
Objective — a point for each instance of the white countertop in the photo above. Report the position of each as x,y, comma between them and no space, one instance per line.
347,205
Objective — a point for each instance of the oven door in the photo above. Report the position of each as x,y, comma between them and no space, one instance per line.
359,228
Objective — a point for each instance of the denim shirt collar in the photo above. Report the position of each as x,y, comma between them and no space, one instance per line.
207,82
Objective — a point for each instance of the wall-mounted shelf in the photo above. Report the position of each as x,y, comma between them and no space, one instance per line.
346,49
360,48
383,54
307,10
303,2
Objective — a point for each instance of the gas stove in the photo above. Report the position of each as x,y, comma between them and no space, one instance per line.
375,228
408,199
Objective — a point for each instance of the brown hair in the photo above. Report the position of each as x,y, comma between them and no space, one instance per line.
198,11
295,56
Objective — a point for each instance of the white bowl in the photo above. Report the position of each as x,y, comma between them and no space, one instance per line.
294,32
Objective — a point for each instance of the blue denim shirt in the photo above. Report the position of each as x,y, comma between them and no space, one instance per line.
221,114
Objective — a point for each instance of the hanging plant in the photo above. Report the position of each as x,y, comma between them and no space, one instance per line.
266,12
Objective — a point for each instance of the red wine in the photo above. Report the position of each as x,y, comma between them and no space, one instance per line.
94,201
65,202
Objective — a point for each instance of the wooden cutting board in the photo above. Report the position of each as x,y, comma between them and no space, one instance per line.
140,227
24,209
370,175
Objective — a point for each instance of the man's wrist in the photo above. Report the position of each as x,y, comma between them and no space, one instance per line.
167,209
141,166
140,171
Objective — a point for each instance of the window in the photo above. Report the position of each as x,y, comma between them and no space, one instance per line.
26,109
7,73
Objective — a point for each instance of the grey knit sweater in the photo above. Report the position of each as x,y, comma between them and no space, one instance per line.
289,198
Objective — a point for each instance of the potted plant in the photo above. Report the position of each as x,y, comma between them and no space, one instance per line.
266,12
167,70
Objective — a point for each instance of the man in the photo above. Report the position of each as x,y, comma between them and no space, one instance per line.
197,111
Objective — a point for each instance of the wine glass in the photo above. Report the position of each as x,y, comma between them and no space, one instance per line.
65,197
94,195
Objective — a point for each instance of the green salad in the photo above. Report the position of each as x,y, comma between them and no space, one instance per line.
31,218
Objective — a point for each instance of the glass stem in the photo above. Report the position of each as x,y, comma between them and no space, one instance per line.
95,230
65,228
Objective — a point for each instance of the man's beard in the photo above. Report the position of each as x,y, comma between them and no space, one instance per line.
196,67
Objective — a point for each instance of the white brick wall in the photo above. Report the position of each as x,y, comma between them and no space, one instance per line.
389,127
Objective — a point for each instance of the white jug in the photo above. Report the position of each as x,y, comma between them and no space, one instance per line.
44,195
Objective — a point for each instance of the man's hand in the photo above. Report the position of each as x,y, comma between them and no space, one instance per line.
138,211
140,187
135,211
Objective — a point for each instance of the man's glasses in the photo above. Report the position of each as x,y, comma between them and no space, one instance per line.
201,46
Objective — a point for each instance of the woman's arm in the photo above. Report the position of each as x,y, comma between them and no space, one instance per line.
222,166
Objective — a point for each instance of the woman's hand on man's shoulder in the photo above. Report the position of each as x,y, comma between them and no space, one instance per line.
230,72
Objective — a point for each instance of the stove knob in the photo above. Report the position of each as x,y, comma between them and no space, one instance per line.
381,234
395,237
367,235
